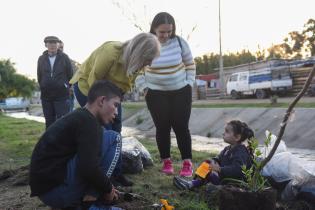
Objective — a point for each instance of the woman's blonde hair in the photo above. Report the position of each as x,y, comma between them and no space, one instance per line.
140,51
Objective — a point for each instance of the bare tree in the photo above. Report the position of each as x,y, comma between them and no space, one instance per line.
140,17
127,9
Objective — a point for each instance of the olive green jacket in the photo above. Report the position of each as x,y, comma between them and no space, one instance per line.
105,63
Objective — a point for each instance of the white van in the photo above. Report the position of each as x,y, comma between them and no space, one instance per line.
260,83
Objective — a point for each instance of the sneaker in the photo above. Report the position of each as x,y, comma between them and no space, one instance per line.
121,180
186,169
182,183
167,167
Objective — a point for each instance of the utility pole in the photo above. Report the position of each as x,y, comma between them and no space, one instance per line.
222,82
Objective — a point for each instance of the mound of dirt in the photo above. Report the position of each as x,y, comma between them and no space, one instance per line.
17,177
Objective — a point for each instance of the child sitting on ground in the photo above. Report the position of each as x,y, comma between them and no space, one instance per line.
229,162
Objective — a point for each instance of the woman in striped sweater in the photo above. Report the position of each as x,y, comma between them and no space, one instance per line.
167,84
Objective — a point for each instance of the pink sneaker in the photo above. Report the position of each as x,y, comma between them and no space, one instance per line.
167,167
187,169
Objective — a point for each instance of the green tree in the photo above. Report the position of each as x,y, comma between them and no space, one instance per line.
294,44
209,63
199,65
245,56
13,84
309,33
260,54
206,62
279,51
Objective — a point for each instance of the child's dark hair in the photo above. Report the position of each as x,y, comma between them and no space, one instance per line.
241,128
103,88
163,18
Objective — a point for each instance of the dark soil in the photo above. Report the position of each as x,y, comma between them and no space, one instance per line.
233,198
15,195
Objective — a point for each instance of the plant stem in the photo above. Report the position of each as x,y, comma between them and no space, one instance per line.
285,121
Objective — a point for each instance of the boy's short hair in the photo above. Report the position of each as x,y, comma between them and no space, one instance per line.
103,88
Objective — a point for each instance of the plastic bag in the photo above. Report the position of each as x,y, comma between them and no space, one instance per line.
281,147
135,156
303,187
131,161
285,167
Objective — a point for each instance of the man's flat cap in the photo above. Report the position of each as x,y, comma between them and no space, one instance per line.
51,39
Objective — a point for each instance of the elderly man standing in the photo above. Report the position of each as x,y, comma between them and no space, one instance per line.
54,71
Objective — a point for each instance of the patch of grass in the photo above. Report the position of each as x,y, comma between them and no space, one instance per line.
17,139
134,105
153,185
128,109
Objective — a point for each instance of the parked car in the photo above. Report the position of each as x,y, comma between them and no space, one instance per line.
15,103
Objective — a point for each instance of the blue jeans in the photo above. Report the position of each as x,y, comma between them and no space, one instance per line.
71,103
54,109
74,188
82,99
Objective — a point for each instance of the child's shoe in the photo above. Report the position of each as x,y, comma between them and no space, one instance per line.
167,167
186,169
182,184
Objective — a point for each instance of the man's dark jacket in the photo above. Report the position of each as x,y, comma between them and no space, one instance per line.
54,83
78,133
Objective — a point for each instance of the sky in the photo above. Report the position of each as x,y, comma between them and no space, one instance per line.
83,25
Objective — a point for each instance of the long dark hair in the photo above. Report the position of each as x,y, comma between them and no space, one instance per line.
246,133
163,18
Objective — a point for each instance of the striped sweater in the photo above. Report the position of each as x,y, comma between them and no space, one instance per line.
172,70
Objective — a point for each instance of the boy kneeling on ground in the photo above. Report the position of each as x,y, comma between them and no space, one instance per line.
74,159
